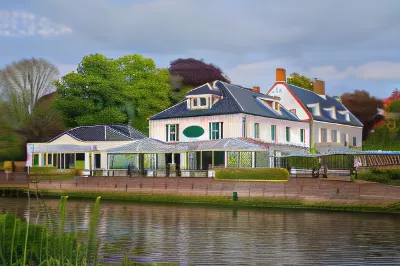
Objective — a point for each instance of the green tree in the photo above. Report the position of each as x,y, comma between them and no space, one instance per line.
113,91
300,81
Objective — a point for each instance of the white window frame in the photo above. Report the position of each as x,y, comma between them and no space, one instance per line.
215,133
169,132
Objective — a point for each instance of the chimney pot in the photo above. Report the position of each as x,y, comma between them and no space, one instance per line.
280,75
256,89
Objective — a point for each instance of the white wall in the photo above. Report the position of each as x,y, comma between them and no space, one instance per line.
351,132
233,127
288,101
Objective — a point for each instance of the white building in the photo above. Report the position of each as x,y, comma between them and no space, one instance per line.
333,127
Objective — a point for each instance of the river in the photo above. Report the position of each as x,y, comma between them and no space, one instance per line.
201,235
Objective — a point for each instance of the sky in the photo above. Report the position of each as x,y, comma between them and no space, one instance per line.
351,44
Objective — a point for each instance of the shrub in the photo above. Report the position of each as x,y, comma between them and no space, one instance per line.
374,175
50,171
394,106
8,166
252,173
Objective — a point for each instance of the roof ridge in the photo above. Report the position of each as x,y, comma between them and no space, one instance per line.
236,101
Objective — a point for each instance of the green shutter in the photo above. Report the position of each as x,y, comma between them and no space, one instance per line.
301,135
272,132
287,134
177,132
222,129
209,130
166,132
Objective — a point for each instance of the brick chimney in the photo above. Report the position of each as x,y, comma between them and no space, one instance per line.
256,89
280,75
319,87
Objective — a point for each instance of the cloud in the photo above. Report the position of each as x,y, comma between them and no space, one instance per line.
279,28
20,24
379,70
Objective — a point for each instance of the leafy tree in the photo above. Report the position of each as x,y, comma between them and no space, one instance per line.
189,73
394,106
364,107
113,91
195,72
395,95
300,81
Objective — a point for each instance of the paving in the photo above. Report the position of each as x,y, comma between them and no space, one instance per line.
306,189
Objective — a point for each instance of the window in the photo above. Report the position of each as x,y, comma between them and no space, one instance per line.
344,139
203,101
244,129
49,159
276,106
36,160
302,135
195,102
216,130
172,132
288,134
324,135
256,130
334,135
273,132
354,141
293,111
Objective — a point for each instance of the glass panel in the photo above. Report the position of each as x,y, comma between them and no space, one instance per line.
233,159
301,135
35,159
122,161
256,130
354,141
262,159
203,102
245,159
150,161
195,102
49,159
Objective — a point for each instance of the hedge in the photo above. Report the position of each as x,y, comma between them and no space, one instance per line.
380,175
50,171
252,173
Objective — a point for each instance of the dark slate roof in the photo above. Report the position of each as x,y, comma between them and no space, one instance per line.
103,133
310,97
204,89
236,99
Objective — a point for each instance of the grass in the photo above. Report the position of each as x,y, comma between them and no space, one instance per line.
1,166
227,201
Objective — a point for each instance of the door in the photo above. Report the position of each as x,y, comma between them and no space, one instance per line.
97,161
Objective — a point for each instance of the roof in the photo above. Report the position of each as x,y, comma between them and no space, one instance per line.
310,97
235,100
103,133
149,145
46,147
204,89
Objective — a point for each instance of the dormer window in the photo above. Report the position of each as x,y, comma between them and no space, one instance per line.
194,102
346,114
203,101
331,111
276,106
272,103
314,109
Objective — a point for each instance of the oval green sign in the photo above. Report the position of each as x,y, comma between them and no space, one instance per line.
193,131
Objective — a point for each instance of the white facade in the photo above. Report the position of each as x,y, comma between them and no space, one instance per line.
233,128
321,132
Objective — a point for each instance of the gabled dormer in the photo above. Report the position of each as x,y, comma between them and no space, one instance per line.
314,109
271,102
203,97
346,114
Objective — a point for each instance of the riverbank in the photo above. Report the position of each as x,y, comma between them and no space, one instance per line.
301,193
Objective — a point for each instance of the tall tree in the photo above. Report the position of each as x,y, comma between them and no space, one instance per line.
105,91
185,74
364,107
300,81
22,84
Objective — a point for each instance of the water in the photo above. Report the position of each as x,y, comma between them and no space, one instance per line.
203,235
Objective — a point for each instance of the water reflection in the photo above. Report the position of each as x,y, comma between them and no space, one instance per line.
209,235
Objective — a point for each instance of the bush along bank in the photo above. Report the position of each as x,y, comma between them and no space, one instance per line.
228,201
266,174
380,175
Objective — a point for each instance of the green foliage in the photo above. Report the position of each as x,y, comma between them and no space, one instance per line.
44,173
252,173
302,162
380,175
300,81
385,137
177,95
80,165
107,91
394,106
